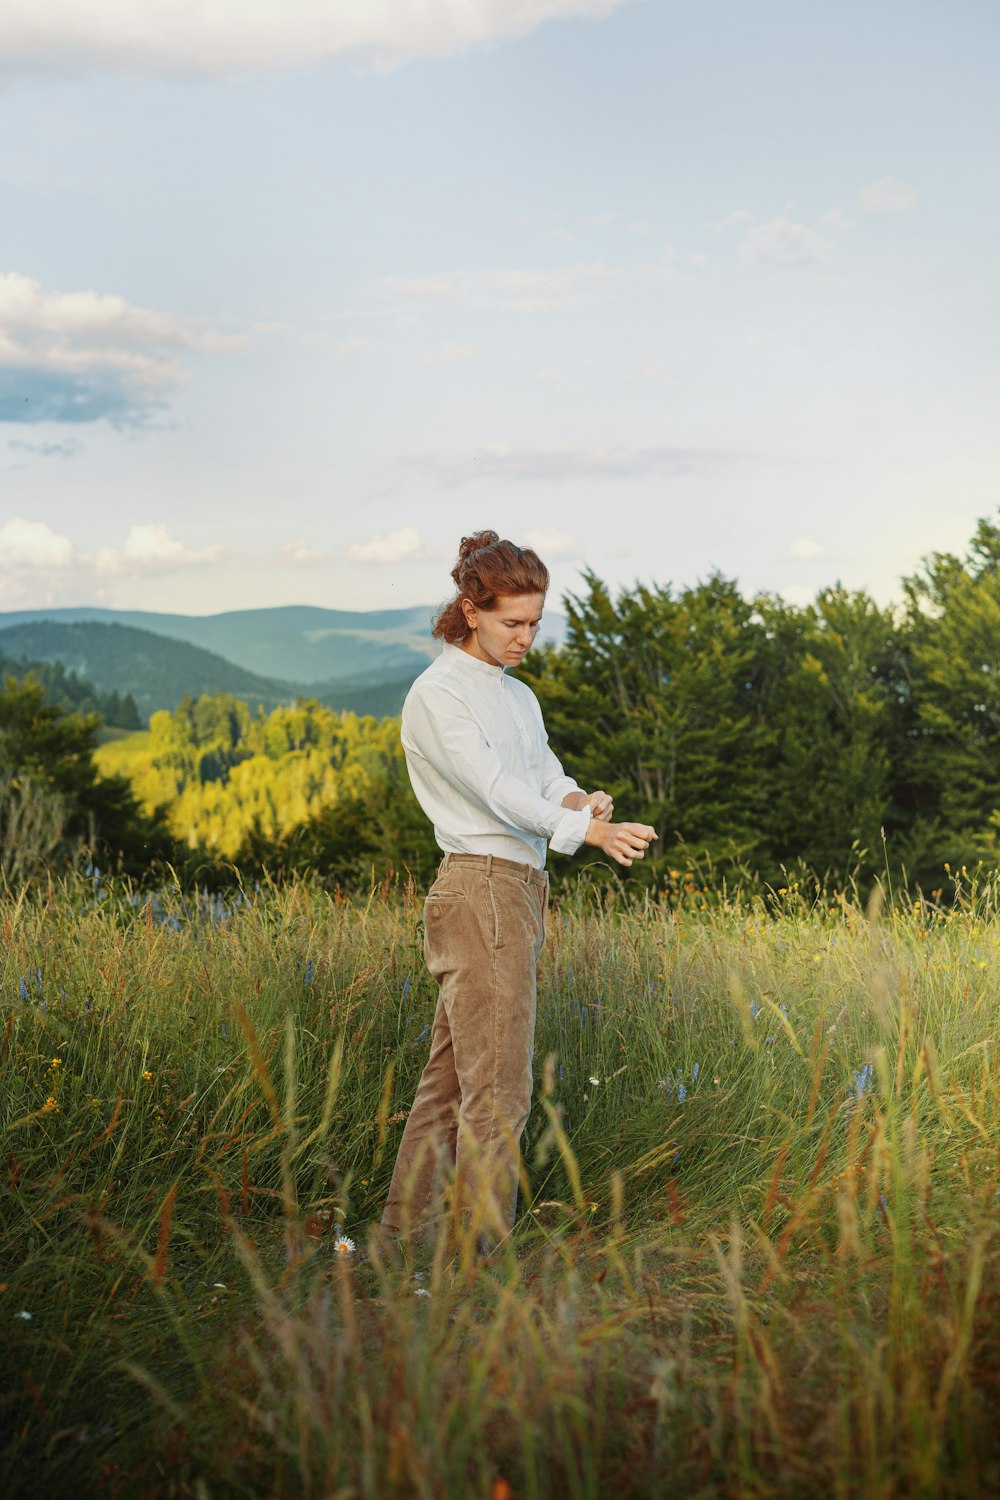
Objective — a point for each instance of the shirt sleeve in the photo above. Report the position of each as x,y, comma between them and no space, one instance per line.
451,741
555,783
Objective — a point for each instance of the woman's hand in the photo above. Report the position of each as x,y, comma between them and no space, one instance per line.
601,806
623,841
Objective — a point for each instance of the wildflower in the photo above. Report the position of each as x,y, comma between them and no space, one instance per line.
51,1106
716,1079
26,1316
421,1291
56,1062
593,1080
309,971
754,1010
681,1093
424,1033
147,1076
23,992
863,1079
406,988
694,1072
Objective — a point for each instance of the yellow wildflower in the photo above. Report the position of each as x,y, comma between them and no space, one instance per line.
147,1075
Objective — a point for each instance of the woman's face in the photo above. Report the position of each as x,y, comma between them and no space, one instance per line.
505,634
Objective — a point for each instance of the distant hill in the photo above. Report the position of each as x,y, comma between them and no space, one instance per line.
358,660
155,670
294,644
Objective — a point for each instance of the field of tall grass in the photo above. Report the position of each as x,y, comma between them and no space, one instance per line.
757,1251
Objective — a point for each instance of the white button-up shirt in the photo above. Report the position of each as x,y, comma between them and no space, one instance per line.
480,763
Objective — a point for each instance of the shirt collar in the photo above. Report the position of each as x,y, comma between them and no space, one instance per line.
473,661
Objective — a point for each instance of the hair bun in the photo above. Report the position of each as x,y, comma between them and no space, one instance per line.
470,544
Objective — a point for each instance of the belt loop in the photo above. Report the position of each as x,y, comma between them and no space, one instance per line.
489,865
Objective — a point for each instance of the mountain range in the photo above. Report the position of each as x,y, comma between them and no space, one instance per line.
359,660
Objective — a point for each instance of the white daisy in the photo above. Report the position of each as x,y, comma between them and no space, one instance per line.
343,1245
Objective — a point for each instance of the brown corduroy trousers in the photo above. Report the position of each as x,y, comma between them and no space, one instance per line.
484,925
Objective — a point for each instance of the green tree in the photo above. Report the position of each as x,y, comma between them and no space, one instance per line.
829,679
655,698
48,754
949,737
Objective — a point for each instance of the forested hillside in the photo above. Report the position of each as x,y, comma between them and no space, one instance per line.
156,670
303,645
65,689
301,786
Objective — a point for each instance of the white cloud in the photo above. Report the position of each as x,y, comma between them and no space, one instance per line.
738,216
450,354
652,370
498,461
38,565
526,289
522,289
300,555
232,36
45,450
556,379
803,547
836,221
79,356
33,544
393,547
783,243
553,545
152,550
887,196
351,347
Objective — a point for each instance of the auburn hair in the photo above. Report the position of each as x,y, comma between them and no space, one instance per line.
488,569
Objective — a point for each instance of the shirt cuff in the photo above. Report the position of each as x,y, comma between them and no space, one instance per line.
560,788
570,832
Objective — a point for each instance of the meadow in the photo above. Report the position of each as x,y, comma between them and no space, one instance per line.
757,1251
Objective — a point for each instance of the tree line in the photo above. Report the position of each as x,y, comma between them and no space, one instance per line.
66,689
756,735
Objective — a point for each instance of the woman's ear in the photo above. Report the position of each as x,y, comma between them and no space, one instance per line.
470,612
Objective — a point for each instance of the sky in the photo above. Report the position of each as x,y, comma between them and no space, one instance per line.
295,293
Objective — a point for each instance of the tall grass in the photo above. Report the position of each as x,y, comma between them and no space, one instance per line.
757,1251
